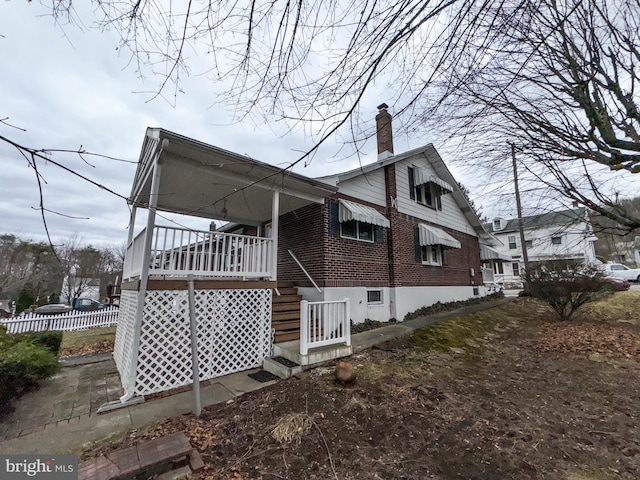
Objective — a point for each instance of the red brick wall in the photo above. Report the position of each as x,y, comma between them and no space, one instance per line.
459,261
352,263
334,261
303,232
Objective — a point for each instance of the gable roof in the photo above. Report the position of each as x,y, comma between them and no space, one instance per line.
435,160
544,220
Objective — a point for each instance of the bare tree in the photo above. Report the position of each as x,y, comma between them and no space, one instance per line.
556,77
27,265
81,265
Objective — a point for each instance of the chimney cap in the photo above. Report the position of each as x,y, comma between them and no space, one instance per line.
383,106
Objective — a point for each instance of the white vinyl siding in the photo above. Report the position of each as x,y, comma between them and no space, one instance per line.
368,188
450,216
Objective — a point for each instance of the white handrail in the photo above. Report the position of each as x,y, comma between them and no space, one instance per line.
324,323
305,271
179,252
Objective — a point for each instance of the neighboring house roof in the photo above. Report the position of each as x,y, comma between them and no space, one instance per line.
442,172
544,220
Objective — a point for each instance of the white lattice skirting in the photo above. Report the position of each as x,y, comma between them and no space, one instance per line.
123,353
233,328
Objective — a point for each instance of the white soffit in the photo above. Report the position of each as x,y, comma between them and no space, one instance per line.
354,211
488,253
434,236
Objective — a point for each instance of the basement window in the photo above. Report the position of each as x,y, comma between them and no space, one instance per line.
374,297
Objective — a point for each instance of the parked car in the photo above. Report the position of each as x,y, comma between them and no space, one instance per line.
621,271
87,305
53,309
617,284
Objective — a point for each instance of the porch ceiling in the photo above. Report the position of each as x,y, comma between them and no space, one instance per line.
205,181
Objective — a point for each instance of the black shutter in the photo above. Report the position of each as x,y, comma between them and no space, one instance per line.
334,224
416,243
412,185
445,260
378,234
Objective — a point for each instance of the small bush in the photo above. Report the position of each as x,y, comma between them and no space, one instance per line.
49,340
566,290
24,361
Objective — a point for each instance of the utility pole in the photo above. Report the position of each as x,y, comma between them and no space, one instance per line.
525,257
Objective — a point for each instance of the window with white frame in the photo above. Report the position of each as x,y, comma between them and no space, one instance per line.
528,243
556,240
512,242
497,268
432,255
374,297
357,230
427,194
427,189
515,266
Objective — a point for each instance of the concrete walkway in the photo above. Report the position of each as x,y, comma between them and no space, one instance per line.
61,417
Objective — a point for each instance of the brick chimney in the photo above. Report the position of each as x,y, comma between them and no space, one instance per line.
384,132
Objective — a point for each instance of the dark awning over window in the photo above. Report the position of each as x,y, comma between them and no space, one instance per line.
422,176
434,236
354,211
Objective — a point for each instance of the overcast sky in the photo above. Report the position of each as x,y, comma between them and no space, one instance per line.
69,88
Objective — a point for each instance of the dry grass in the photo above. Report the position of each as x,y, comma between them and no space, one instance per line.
90,336
290,426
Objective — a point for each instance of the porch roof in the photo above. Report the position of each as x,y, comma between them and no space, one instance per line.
201,180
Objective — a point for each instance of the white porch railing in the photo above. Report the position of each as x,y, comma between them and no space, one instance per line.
63,322
177,252
324,323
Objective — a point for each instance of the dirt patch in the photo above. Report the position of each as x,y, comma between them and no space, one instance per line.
518,396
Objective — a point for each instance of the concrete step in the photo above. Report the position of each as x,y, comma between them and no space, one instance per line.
281,367
291,351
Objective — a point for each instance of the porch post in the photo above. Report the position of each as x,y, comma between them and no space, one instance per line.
144,274
132,223
275,213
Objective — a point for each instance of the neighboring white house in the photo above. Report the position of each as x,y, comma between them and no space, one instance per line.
564,236
81,287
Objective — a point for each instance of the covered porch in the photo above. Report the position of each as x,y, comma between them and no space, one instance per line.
216,285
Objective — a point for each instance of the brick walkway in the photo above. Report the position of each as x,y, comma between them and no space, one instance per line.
75,393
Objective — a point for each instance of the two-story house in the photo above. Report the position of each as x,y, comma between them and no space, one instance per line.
564,237
299,256
397,235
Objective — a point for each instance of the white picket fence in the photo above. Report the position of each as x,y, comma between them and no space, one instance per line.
62,322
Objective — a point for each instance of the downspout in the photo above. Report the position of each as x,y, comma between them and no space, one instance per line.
144,272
